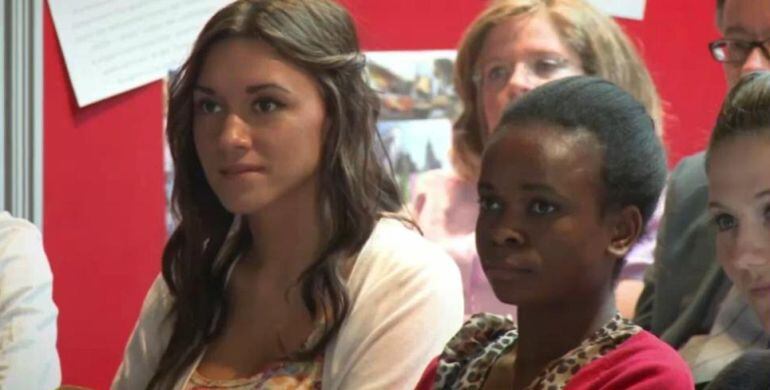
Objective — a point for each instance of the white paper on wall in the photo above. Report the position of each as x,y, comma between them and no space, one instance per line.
112,46
630,9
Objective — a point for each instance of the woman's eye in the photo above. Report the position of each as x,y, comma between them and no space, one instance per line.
541,207
725,222
266,105
489,204
547,67
498,73
209,106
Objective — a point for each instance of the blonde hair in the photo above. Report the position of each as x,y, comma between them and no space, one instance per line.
602,46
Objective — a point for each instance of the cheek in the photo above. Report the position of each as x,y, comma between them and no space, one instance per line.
303,148
577,248
732,74
725,250
492,106
482,237
202,148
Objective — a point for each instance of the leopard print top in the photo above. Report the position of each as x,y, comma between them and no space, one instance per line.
468,357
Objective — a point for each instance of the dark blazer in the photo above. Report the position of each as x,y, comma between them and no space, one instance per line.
685,285
751,371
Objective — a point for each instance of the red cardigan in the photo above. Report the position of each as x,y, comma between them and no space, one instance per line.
642,362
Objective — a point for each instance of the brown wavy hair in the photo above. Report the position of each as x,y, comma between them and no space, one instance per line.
602,46
355,189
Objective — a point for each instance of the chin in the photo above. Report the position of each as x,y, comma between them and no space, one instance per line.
512,296
762,308
242,205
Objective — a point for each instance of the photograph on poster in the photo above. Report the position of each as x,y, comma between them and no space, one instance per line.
419,105
415,146
413,84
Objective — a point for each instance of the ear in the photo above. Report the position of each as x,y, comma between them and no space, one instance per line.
626,227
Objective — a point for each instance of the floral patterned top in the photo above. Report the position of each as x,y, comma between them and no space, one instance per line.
471,353
288,375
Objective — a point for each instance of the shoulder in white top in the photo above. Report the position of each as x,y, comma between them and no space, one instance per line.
28,357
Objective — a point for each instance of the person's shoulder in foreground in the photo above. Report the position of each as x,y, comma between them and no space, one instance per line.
641,362
28,356
148,340
406,302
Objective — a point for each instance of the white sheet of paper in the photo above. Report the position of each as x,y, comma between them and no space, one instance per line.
112,46
629,9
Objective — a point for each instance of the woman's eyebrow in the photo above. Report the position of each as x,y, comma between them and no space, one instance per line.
713,204
206,90
763,193
261,87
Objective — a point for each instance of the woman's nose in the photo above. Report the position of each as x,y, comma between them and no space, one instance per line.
519,83
506,236
752,248
235,133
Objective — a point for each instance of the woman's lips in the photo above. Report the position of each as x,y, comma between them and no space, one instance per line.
759,291
507,272
239,169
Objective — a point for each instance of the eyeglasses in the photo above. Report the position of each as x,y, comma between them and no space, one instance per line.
733,51
494,76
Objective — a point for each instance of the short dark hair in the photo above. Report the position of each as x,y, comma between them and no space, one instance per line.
634,162
745,111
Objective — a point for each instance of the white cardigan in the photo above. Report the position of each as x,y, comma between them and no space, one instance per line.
406,303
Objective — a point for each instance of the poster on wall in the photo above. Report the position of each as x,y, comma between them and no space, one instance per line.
629,9
112,46
418,106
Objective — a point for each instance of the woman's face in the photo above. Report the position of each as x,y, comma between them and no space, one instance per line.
541,234
739,201
518,55
258,125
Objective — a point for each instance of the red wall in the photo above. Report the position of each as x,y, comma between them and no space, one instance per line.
104,205
673,39
103,215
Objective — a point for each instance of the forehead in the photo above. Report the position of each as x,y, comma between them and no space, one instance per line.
740,164
749,17
237,63
528,32
234,57
544,152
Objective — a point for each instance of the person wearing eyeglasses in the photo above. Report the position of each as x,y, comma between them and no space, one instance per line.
688,301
